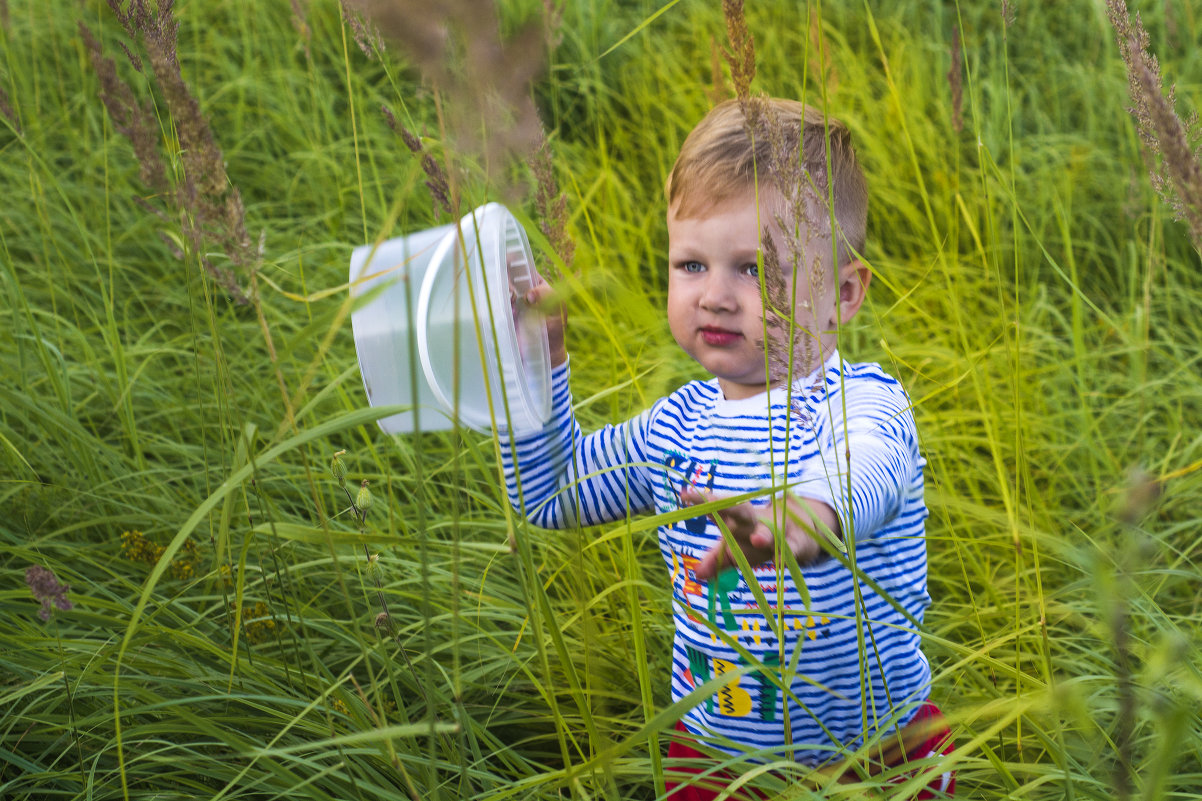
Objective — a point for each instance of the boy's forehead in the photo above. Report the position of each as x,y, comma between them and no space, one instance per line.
699,205
773,212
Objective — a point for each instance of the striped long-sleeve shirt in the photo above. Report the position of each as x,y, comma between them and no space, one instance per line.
837,654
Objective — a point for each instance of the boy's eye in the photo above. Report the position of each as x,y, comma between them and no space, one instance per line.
752,269
692,267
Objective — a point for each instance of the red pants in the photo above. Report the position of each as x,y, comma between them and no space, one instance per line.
707,789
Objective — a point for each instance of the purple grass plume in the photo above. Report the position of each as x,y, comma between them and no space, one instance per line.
46,588
741,54
436,176
208,205
550,204
482,81
1172,146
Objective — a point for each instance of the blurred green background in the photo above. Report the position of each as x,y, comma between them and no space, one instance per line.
178,370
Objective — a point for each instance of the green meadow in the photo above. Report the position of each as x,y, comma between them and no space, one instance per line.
177,371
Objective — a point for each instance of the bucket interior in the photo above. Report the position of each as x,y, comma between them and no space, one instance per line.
448,327
480,340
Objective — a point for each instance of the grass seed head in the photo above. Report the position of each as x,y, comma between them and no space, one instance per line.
1172,146
1008,14
553,22
741,54
209,205
133,120
955,81
484,82
47,589
550,204
1139,496
365,34
436,177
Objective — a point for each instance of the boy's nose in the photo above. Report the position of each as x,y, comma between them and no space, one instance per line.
717,294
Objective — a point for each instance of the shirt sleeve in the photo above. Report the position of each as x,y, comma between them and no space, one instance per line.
559,478
868,461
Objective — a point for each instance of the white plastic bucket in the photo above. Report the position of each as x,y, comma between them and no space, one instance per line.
419,343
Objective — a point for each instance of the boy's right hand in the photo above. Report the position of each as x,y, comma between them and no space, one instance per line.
549,304
751,528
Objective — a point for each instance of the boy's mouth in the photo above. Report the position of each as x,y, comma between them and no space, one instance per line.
717,337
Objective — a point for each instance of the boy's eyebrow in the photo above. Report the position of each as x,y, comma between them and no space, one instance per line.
682,252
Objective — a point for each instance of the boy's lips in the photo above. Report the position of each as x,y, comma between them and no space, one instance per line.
715,336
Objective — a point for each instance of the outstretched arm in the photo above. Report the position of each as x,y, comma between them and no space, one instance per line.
558,477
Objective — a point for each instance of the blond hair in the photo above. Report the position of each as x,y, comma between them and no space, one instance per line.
782,144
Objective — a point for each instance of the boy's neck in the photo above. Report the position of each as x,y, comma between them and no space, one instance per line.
799,382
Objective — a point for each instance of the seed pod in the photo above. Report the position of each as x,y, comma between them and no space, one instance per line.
338,468
363,499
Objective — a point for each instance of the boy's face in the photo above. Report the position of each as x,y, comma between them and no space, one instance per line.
715,306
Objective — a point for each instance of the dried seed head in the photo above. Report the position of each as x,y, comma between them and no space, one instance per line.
741,55
365,34
209,206
552,22
550,204
46,588
479,77
436,177
1172,146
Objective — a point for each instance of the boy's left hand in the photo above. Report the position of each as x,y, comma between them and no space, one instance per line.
543,297
749,526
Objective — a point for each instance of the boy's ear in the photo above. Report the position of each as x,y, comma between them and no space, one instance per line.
854,278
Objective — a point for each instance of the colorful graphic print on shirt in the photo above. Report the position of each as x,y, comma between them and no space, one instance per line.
682,473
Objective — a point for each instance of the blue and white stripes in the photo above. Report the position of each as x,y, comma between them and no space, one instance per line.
858,665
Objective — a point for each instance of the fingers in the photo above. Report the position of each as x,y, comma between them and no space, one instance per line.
714,560
740,519
756,544
543,298
749,533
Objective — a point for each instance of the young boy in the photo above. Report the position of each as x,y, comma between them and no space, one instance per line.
822,451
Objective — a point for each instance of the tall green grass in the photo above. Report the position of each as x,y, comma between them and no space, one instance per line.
1038,302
